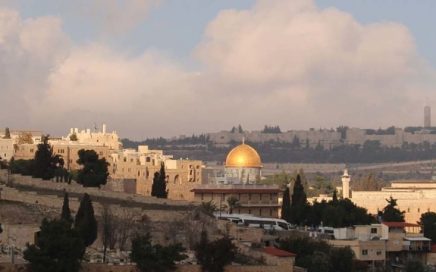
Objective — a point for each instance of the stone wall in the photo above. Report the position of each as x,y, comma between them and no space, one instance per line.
77,188
50,194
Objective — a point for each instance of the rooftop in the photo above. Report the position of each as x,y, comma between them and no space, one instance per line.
400,225
237,188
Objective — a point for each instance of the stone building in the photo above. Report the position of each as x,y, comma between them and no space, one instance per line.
7,149
414,197
132,169
242,169
385,244
181,175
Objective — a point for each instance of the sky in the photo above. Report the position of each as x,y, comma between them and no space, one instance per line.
152,68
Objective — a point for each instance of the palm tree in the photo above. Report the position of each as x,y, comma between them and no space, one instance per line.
208,208
232,203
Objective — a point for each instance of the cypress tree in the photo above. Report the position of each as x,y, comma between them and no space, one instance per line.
286,205
7,134
85,222
335,197
155,185
299,203
57,248
44,160
66,213
162,188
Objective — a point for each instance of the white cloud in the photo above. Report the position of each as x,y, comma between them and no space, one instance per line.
29,51
114,16
281,62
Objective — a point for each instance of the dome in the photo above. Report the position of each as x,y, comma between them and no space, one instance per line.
243,156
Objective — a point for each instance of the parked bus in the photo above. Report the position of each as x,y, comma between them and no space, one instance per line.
253,221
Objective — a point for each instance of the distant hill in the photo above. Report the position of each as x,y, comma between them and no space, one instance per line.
202,148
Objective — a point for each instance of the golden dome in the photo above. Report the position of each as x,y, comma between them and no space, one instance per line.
243,156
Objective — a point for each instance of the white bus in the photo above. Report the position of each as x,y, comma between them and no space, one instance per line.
256,222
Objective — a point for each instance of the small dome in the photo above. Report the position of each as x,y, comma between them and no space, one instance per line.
243,156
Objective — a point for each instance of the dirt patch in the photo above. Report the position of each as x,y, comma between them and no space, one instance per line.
14,212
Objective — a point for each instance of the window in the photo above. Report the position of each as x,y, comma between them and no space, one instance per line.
373,230
249,196
378,253
364,252
419,210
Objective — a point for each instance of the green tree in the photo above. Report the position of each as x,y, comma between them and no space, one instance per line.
286,206
85,222
299,205
57,248
201,249
335,197
159,186
215,255
23,167
320,262
7,134
415,266
341,259
240,129
94,171
66,213
391,213
155,258
233,202
317,255
207,208
304,248
428,225
155,184
45,163
73,137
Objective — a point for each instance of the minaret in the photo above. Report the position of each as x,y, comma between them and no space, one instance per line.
346,184
427,116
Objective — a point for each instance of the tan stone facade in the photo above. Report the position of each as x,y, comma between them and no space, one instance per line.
414,197
257,200
68,150
181,175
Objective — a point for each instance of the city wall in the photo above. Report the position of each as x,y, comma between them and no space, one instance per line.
156,209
